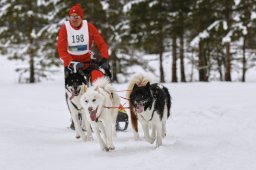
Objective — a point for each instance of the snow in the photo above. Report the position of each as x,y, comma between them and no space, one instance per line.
204,34
196,40
212,127
237,2
128,6
253,15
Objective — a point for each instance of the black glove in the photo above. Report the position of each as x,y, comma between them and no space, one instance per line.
75,66
103,63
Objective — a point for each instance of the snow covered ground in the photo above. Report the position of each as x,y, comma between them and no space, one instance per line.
212,128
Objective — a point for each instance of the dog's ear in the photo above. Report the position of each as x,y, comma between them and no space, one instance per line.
135,86
148,85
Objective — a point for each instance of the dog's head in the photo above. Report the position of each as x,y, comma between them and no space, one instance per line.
74,83
92,101
141,97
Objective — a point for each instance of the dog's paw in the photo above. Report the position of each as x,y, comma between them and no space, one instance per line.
106,149
111,147
150,139
158,143
157,146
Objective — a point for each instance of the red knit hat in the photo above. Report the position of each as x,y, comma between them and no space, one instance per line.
78,10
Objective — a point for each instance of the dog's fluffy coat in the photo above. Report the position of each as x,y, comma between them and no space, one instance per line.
150,104
100,103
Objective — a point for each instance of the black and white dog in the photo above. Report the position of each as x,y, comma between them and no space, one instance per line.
150,104
75,88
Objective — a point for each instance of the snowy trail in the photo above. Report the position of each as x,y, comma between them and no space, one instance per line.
212,127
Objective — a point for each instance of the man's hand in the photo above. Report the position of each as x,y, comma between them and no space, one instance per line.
106,67
104,64
75,66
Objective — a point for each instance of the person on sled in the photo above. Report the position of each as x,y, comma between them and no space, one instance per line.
75,39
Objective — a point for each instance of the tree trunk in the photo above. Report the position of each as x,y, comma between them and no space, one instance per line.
174,59
228,18
220,65
228,63
202,67
31,69
162,80
161,51
114,67
31,50
244,61
182,68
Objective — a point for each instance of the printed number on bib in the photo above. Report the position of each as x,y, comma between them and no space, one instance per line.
78,38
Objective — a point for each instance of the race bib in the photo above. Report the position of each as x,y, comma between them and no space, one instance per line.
78,40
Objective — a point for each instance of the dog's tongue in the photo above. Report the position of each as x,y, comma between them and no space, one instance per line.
93,115
139,108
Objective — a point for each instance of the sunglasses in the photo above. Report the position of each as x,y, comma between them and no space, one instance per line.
74,17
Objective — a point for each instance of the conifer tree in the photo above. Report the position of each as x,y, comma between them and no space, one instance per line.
117,28
148,27
23,37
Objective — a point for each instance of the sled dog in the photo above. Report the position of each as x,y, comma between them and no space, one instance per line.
150,104
100,102
74,90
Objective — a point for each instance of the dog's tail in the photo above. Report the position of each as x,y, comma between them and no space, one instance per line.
140,80
101,82
168,101
105,84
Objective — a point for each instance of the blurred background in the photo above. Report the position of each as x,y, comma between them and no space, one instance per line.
174,40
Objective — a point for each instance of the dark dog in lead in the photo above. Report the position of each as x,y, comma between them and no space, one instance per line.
75,87
150,104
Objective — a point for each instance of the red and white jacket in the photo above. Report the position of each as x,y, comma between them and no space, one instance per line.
94,37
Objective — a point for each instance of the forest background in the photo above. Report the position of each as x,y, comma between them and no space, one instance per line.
190,40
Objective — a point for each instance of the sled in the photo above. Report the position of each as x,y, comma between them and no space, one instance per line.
122,117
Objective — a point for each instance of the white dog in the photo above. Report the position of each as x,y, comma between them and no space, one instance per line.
100,103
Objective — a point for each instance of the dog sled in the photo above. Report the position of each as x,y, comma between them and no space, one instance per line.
122,120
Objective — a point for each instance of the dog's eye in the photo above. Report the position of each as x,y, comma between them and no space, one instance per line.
93,100
86,101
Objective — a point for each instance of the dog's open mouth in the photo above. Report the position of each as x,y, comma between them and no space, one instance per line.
139,108
93,114
76,92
